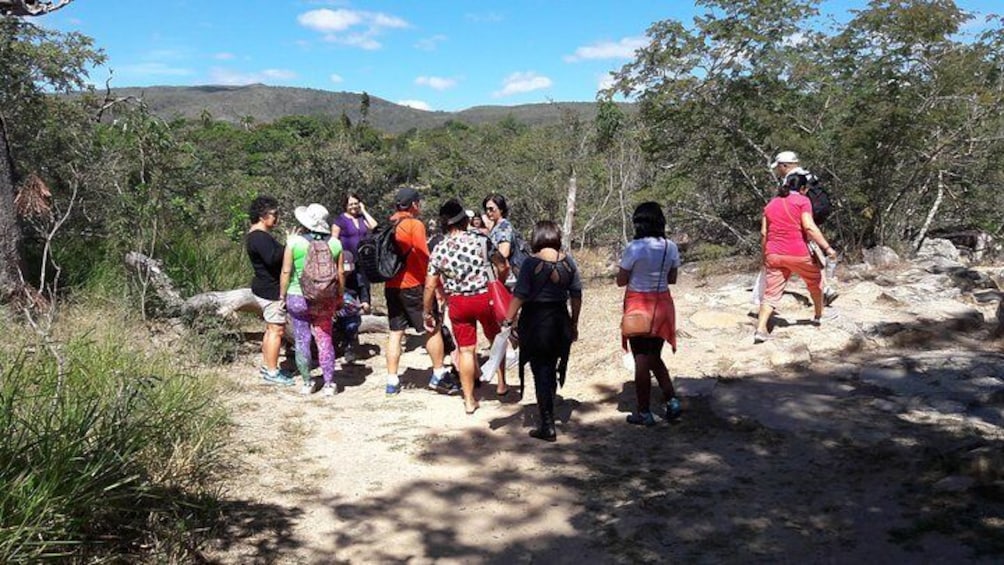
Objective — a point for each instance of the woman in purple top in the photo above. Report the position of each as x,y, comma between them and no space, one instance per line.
350,227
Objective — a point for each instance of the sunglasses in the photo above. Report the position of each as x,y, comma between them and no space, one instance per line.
491,209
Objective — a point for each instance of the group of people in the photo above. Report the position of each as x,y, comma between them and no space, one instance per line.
478,271
276,285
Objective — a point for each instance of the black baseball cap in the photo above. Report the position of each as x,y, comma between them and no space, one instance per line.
405,197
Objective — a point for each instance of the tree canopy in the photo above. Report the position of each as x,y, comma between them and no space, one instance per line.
898,110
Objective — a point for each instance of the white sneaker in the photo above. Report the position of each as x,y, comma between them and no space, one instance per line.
307,388
329,389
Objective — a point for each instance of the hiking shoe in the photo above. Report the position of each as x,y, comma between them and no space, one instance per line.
829,296
673,409
828,316
760,337
641,419
307,388
448,385
391,390
350,355
277,377
444,384
329,389
434,381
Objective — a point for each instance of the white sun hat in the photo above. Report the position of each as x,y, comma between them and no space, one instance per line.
313,217
784,157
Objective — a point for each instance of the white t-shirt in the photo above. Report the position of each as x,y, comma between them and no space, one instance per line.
643,257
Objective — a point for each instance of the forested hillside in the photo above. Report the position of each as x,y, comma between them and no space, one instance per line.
899,110
258,104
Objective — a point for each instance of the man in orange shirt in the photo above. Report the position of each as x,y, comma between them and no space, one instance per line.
404,292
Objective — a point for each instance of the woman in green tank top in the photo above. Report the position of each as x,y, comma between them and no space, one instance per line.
311,318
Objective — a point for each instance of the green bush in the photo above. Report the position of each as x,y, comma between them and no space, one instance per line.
111,455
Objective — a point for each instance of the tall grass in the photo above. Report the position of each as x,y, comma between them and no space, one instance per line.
204,263
114,455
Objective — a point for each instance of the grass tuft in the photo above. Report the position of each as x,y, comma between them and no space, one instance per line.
109,457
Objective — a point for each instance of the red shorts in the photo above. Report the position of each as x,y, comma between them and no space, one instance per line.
779,270
466,312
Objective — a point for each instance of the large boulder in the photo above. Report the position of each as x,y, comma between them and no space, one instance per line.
880,256
943,248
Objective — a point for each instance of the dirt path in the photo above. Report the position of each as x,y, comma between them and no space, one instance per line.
821,445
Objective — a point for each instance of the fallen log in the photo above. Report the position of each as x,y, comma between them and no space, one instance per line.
222,303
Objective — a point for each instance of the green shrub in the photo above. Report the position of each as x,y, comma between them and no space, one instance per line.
111,455
213,339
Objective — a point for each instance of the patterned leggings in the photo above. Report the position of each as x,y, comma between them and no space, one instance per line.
312,318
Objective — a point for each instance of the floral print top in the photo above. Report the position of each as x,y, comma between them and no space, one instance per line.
460,260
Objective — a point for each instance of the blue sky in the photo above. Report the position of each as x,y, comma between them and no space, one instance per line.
434,54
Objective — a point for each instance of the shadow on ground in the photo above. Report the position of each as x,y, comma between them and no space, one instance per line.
834,468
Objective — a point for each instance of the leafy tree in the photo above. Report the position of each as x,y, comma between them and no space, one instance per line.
897,111
33,61
364,107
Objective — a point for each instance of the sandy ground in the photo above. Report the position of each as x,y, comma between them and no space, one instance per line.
819,446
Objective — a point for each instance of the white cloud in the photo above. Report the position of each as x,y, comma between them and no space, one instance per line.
416,104
336,78
430,43
436,83
354,28
220,75
325,20
605,82
383,20
223,56
360,40
623,49
519,83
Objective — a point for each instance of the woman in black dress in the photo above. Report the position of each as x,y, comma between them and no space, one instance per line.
549,292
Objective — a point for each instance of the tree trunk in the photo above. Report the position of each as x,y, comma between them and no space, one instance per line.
570,210
222,303
10,232
919,240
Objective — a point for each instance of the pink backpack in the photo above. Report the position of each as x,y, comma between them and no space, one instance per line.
319,279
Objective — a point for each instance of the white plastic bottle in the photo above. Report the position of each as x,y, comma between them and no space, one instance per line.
831,275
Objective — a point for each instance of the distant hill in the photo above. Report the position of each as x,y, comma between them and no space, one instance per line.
267,103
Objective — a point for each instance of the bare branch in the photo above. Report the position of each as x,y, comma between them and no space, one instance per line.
111,101
30,7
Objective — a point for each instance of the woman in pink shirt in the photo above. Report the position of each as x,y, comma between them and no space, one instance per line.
786,227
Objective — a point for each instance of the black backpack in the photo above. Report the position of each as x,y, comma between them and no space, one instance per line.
822,207
518,252
378,256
